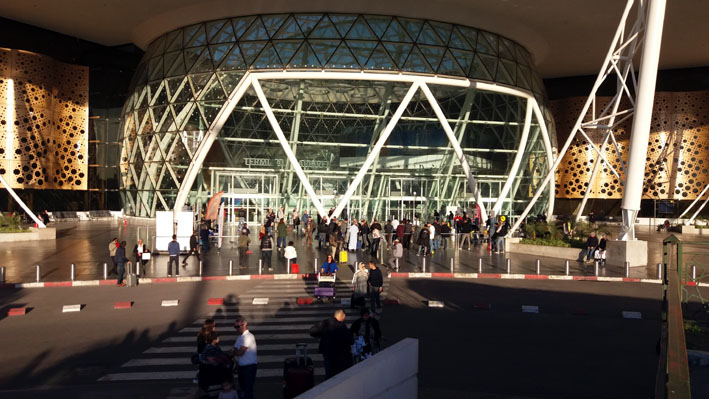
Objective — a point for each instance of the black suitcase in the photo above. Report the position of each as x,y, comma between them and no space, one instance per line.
298,373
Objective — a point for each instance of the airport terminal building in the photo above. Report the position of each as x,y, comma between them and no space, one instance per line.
381,115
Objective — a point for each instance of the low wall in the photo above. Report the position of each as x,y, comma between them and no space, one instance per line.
695,231
49,233
391,373
543,250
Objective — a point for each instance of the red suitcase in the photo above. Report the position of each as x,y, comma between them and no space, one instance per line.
298,373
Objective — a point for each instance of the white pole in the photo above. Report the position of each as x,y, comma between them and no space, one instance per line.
22,204
642,119
694,202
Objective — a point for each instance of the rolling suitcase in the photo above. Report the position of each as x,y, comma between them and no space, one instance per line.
131,278
343,256
298,373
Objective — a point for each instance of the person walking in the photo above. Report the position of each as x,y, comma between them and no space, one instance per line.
121,262
445,233
359,286
591,245
408,230
243,247
400,232
112,246
322,232
138,252
266,247
353,232
247,358
396,254
376,238
368,328
388,232
423,242
173,249
335,343
376,285
204,237
194,248
281,230
365,230
290,253
309,230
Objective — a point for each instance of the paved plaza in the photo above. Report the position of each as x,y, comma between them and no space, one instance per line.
85,244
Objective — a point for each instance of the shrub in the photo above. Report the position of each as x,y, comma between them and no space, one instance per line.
11,224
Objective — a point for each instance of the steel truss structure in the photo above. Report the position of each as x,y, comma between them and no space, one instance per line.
336,110
619,63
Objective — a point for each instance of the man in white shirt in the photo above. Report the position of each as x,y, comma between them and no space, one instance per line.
245,351
394,224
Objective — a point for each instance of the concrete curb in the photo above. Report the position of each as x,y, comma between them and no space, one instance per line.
163,280
527,277
312,276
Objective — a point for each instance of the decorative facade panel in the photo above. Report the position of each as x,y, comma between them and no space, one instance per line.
677,157
43,122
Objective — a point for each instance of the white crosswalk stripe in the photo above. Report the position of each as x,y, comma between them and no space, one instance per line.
277,326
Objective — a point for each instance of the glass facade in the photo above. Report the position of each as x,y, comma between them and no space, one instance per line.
187,77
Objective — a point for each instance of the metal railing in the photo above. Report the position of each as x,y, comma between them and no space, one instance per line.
673,369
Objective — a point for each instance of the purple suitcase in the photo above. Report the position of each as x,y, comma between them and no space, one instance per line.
327,292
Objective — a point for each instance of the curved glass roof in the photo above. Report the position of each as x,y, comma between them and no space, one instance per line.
339,42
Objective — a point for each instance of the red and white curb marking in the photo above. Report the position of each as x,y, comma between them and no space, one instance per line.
505,276
160,280
311,276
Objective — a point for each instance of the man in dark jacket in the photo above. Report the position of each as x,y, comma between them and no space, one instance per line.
376,284
591,244
193,248
204,236
335,343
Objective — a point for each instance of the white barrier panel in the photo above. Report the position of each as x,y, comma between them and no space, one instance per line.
391,374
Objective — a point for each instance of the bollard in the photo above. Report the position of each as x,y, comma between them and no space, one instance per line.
694,272
2,274
231,267
38,273
424,265
72,271
397,265
200,267
659,271
480,265
509,265
288,261
315,266
539,266
260,261
137,268
567,267
595,267
451,265
627,269
105,271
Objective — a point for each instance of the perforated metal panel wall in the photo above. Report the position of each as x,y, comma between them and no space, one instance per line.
677,156
44,109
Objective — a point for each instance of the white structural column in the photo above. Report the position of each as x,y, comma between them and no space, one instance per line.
693,203
518,159
207,141
640,132
456,147
22,204
286,147
383,137
691,220
550,154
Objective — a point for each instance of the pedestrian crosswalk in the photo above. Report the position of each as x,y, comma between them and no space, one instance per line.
277,326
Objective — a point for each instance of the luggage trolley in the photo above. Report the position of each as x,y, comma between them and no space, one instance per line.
326,286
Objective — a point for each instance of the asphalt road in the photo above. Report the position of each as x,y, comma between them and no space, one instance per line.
465,352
